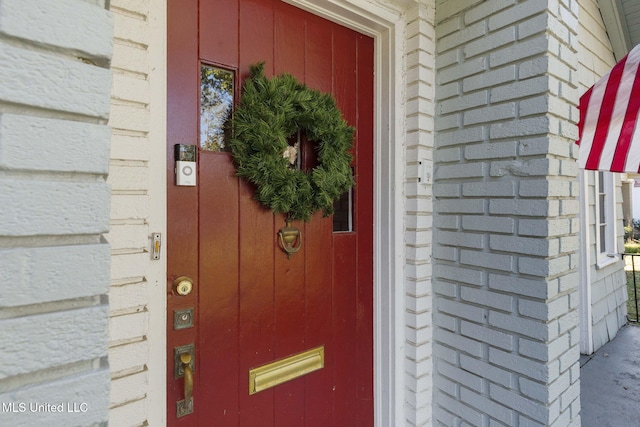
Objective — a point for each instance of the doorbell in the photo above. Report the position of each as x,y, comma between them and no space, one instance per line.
185,165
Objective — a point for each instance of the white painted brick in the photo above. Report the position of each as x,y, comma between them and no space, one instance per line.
123,177
62,145
468,206
91,388
461,239
521,286
465,102
544,310
494,261
487,335
499,188
129,356
490,41
53,208
466,345
524,207
465,170
486,9
69,336
129,265
544,351
460,136
130,58
471,416
544,227
493,112
131,297
526,327
460,71
545,188
129,388
493,150
522,365
130,118
519,12
491,78
445,253
129,206
536,25
490,372
461,37
133,413
131,29
490,407
461,310
460,376
49,23
33,275
519,128
129,88
128,327
67,85
523,245
518,52
520,89
544,267
460,274
446,155
543,392
140,7
488,223
487,298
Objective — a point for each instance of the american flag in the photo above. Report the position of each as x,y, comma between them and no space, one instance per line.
609,140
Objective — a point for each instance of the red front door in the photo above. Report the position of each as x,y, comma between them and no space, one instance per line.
250,305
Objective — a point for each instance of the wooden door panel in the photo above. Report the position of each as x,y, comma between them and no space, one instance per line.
252,304
217,383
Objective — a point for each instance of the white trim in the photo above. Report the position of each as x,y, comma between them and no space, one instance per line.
609,255
586,326
157,270
384,24
616,27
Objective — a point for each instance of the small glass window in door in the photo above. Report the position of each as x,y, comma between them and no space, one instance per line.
216,107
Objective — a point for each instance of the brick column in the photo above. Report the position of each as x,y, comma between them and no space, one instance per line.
505,243
420,40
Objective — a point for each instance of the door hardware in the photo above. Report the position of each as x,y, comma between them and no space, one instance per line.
183,285
290,239
184,367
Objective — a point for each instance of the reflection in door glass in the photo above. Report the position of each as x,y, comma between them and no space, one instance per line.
216,106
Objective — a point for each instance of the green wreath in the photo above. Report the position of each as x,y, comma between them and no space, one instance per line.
270,112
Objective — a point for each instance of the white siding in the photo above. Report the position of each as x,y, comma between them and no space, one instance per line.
130,211
54,199
608,283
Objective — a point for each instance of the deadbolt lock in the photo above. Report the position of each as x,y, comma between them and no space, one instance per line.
183,285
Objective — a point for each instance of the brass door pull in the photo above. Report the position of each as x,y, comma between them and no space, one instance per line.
184,368
185,358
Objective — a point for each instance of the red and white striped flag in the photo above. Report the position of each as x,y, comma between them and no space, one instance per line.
609,140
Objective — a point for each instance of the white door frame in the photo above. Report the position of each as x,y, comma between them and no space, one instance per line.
387,29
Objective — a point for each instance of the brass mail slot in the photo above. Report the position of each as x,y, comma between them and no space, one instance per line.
287,369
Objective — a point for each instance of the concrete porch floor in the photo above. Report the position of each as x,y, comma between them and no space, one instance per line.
610,382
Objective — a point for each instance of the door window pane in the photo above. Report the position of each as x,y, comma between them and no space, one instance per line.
216,107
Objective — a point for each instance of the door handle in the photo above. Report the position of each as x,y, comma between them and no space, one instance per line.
184,365
185,358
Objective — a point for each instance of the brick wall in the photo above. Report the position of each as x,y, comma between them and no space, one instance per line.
420,64
505,280
54,262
